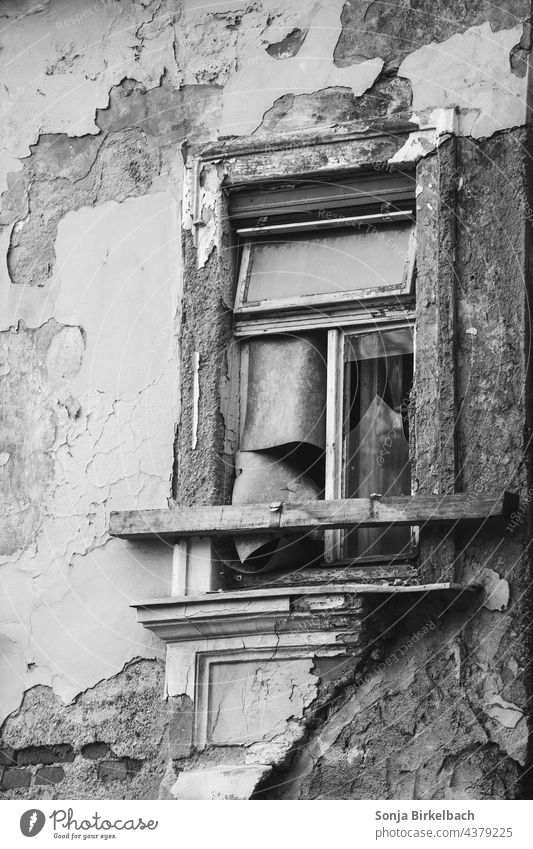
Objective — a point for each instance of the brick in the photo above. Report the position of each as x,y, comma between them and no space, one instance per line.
96,751
49,775
112,771
180,727
14,777
118,770
60,753
7,756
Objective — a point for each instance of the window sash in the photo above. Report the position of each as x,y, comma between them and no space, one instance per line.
338,351
338,314
335,466
302,196
327,318
310,303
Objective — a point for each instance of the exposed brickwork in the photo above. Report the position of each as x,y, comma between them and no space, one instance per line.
95,751
7,756
115,733
15,778
118,770
45,755
49,775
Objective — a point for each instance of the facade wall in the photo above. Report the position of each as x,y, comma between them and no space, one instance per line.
111,280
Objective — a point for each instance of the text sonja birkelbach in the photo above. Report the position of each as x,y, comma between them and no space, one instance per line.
66,824
417,815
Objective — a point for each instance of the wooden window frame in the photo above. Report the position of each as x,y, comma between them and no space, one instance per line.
335,438
304,305
341,314
335,468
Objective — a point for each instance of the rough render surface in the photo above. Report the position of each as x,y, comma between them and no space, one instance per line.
96,104
413,728
110,742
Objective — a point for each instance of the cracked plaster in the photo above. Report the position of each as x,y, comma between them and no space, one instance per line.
107,406
253,700
59,64
392,29
262,79
69,593
476,68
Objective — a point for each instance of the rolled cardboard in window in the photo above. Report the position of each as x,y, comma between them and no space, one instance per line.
264,478
286,397
288,554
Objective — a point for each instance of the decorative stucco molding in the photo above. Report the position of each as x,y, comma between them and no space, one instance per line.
250,664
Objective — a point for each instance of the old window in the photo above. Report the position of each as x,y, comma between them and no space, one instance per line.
315,269
325,322
378,376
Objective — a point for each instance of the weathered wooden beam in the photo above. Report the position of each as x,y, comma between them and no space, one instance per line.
341,573
297,517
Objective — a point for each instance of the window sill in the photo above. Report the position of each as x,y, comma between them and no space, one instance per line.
236,614
340,575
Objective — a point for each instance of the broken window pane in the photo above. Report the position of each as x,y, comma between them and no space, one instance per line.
378,381
354,259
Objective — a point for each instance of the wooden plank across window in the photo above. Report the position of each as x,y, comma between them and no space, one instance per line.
295,517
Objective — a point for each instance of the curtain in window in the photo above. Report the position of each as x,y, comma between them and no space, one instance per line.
378,381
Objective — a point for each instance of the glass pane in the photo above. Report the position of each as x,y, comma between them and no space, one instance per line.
336,261
378,381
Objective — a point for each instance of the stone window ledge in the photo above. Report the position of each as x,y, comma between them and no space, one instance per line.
325,608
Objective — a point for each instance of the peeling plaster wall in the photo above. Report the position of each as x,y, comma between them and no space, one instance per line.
61,58
97,102
413,728
110,742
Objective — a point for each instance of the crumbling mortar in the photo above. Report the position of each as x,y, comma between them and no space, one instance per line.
468,752
389,33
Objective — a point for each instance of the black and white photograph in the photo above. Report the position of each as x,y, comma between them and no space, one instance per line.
266,422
